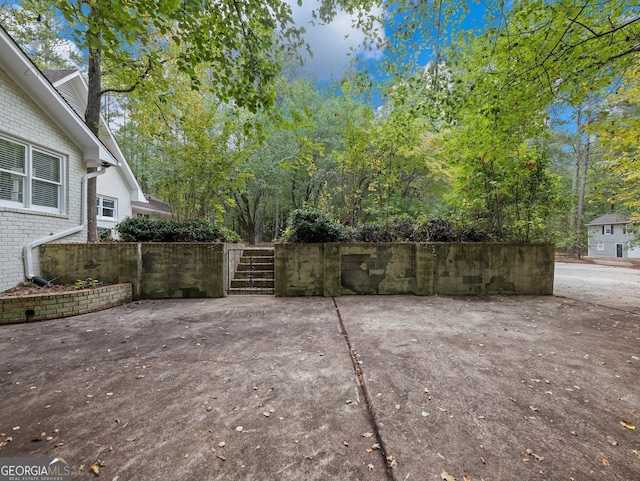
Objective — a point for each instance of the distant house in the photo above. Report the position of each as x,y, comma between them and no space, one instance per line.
610,236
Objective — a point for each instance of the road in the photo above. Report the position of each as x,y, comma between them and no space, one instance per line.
617,287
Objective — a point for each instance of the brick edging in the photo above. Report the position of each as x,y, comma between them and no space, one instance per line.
41,307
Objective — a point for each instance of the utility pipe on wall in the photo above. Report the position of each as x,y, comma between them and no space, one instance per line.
27,254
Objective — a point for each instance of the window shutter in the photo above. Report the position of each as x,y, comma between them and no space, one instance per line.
602,230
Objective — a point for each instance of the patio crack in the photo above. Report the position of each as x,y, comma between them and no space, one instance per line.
362,387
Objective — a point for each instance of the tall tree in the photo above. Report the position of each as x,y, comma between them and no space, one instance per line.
236,40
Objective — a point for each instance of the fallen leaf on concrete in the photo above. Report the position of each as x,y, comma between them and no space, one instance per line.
440,456
391,462
239,429
573,432
130,440
266,414
533,408
636,452
605,463
367,435
612,441
466,478
348,401
222,444
213,450
219,456
533,455
447,477
95,467
626,424
345,443
371,467
16,428
368,450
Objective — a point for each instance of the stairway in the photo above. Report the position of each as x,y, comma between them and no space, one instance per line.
254,274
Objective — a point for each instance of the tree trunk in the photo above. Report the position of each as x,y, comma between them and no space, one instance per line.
276,226
579,172
92,119
583,179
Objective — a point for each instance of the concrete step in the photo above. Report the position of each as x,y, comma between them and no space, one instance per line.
253,274
258,252
263,283
251,290
254,266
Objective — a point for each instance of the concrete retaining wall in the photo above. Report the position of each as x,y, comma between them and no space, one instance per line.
177,270
421,269
198,270
40,307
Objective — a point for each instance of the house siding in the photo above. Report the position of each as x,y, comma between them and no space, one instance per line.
609,241
22,119
111,184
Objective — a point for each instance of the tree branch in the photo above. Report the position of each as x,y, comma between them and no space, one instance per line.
135,85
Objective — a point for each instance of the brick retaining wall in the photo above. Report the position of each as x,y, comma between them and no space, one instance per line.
40,307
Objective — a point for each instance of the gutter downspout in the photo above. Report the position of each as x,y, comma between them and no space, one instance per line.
26,251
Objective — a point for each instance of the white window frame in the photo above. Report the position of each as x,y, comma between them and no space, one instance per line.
29,178
600,246
101,208
608,229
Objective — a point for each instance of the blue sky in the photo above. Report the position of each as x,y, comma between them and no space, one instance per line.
332,43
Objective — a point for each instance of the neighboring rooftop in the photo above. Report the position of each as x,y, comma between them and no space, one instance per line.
152,206
609,219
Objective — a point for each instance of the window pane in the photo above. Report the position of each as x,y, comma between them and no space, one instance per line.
108,213
45,194
12,156
11,187
108,204
46,166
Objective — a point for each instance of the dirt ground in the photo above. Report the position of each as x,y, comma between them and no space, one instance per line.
357,388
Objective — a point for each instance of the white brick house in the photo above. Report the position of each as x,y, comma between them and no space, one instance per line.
45,149
117,188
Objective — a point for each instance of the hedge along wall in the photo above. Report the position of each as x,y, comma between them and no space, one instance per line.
156,270
407,268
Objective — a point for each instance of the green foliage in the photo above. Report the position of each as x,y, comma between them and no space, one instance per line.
143,229
88,283
399,229
311,225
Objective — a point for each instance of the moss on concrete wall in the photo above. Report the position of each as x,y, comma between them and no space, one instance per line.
407,268
181,270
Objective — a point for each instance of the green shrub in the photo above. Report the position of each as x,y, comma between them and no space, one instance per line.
400,229
143,229
443,230
311,225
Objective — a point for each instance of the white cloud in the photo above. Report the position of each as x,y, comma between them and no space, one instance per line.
331,44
